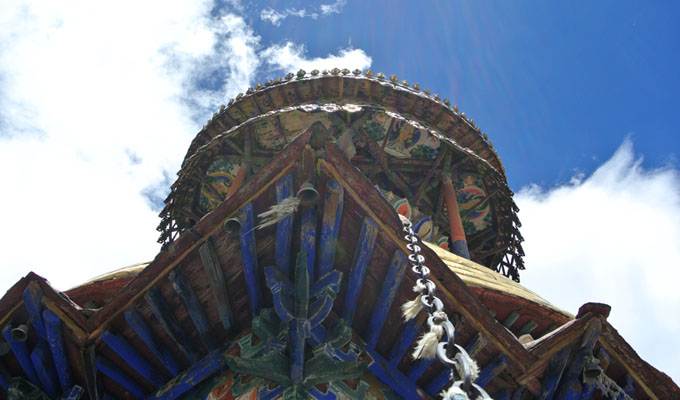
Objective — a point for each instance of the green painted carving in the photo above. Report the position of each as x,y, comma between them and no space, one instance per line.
283,356
354,394
21,389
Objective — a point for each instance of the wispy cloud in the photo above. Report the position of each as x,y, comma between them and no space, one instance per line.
611,237
292,57
276,16
333,8
99,102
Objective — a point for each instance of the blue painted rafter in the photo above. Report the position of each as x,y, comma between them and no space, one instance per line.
199,371
486,374
330,226
107,368
32,295
395,273
251,270
553,373
42,362
193,307
133,358
21,352
308,238
56,341
218,284
143,330
164,314
408,335
362,255
284,228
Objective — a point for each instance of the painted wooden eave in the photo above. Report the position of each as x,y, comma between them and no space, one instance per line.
655,383
524,364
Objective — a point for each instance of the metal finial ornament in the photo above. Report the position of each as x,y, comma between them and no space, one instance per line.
301,73
381,76
405,83
214,116
278,80
315,72
368,73
324,72
222,108
238,96
335,71
394,78
258,86
426,91
231,101
356,72
447,102
249,90
455,108
289,76
416,86
472,122
485,136
269,82
436,97
345,71
463,115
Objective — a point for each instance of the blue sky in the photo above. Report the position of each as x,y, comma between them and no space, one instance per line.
556,86
99,101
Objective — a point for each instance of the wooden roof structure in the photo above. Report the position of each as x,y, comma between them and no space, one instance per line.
403,139
209,308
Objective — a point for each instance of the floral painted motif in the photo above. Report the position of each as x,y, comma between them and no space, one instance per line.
406,141
470,192
220,176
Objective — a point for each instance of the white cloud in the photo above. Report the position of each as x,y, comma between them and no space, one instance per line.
276,16
292,57
98,104
611,237
333,8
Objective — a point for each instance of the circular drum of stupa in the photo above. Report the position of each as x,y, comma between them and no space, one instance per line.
402,138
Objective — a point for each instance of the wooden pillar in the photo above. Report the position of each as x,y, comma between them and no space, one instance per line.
458,241
238,180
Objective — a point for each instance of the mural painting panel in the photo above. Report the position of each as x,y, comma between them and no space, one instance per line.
220,176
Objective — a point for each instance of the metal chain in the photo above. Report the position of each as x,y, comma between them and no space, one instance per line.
450,354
